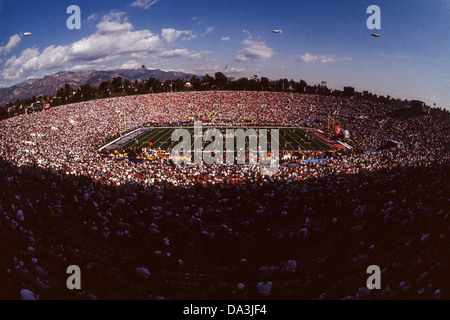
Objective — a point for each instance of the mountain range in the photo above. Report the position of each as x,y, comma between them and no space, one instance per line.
50,84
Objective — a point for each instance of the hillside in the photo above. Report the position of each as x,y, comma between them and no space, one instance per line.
48,85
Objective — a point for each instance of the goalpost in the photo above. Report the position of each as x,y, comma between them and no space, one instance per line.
122,122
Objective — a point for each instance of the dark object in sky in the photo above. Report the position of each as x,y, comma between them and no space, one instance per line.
277,31
376,35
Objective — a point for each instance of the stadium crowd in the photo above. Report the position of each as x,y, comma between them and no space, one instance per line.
152,231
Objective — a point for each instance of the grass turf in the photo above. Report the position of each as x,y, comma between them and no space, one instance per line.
290,138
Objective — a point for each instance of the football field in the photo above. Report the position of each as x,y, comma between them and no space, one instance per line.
290,138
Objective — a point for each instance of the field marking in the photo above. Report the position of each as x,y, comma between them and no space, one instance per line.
290,136
116,140
302,141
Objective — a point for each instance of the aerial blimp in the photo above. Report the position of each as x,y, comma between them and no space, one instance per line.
375,35
27,34
277,31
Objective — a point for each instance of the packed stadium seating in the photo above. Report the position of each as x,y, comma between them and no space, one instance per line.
217,232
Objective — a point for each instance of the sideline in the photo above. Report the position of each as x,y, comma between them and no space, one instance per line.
110,143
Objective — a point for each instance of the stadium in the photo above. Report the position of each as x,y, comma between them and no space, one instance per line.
227,157
157,141
90,184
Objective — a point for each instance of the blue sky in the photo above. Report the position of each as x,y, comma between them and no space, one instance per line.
322,40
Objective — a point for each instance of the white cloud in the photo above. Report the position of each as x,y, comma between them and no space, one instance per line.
113,41
116,16
307,57
12,43
208,30
113,27
144,4
92,17
114,22
18,67
170,34
255,51
205,66
225,38
310,58
180,53
234,70
82,67
247,32
208,68
131,64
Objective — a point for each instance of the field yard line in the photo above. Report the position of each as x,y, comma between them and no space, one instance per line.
286,141
164,135
167,139
298,139
132,143
116,140
142,138
318,143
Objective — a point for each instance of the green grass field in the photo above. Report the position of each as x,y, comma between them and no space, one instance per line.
290,138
